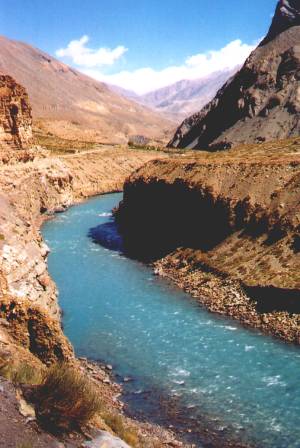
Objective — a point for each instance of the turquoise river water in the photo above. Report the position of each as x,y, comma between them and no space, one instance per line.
188,367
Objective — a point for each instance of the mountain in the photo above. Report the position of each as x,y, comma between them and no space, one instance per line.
262,101
72,105
185,97
181,99
125,92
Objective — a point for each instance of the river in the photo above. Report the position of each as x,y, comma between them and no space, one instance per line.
183,365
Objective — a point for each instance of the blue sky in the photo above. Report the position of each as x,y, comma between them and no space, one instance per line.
138,34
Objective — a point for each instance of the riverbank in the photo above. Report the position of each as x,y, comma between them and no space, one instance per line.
225,296
30,326
239,242
214,381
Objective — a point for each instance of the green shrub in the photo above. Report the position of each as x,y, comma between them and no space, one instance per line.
66,399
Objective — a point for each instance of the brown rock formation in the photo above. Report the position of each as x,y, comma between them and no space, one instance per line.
260,103
15,115
214,211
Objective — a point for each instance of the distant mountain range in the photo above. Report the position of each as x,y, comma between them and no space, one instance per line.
262,101
72,105
183,98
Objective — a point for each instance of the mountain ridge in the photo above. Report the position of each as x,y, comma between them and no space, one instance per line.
260,103
72,105
182,98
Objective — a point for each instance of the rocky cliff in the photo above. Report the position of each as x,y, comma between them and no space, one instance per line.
260,103
15,116
213,212
29,192
287,14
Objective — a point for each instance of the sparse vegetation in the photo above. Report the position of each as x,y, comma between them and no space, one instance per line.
66,399
126,433
26,444
60,145
20,372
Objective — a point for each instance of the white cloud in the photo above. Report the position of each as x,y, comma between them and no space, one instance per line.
147,79
86,57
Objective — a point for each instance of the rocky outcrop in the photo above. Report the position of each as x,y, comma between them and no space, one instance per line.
261,102
15,116
220,222
287,15
200,203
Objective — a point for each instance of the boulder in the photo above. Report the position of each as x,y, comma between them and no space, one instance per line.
105,440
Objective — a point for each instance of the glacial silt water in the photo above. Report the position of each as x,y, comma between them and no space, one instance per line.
239,382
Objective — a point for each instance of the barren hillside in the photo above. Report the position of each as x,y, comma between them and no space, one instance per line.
72,105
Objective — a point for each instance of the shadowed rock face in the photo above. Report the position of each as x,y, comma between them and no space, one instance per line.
262,102
287,14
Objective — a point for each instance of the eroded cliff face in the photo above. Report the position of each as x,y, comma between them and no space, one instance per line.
15,116
214,206
29,193
261,102
232,219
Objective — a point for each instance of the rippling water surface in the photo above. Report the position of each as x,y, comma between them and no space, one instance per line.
238,382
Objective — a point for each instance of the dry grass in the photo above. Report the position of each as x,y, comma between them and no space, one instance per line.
58,145
26,444
20,372
66,399
270,152
126,433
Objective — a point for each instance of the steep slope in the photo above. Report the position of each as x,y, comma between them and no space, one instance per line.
15,119
261,103
185,97
231,243
73,105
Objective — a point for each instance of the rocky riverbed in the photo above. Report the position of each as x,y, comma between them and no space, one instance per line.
223,295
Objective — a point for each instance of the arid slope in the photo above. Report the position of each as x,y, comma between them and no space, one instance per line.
72,105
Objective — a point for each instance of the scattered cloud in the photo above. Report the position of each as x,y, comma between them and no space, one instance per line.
85,57
147,79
